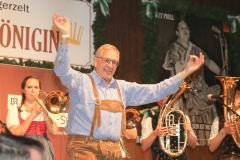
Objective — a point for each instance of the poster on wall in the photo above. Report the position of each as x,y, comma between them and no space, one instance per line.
182,35
27,32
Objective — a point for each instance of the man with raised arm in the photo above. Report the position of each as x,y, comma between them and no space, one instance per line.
97,100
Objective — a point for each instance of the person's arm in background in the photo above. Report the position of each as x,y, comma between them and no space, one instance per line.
178,67
216,141
212,66
130,133
148,141
192,139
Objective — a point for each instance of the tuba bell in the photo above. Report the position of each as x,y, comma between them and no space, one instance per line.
167,117
229,90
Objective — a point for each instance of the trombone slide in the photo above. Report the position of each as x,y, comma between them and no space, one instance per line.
45,112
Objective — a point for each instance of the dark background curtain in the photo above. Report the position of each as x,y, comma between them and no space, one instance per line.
124,30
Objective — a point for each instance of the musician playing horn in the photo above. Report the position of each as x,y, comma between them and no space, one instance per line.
150,133
220,136
28,120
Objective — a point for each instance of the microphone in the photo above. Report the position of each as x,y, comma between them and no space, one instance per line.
215,29
195,91
223,68
214,97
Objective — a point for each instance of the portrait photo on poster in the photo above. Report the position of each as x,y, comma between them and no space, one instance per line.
182,35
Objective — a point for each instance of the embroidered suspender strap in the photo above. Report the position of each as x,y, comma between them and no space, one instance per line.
123,111
119,94
96,115
109,105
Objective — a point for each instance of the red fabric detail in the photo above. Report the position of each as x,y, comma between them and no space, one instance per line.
36,127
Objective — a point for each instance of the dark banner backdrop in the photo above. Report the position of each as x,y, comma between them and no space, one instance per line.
212,43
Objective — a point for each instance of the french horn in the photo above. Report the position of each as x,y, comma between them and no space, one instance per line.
229,90
167,118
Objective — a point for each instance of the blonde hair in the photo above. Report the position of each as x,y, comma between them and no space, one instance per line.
106,47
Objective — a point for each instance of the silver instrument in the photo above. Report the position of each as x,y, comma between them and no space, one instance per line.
167,119
124,149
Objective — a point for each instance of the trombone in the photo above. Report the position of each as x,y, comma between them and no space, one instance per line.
55,101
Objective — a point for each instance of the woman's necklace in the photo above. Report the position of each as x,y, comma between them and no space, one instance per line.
29,108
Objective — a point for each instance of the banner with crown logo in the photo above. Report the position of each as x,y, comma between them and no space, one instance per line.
26,30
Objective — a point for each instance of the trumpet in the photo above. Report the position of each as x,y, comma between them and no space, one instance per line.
55,102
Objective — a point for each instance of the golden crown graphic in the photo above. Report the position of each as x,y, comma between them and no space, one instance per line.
76,37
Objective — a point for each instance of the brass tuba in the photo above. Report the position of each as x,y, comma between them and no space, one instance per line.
167,118
229,90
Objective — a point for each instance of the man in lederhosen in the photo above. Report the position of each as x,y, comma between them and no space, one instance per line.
97,100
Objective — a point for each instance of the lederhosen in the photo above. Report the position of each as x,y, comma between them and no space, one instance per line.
89,148
228,148
157,152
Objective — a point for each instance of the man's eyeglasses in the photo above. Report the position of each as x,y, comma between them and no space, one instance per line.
107,61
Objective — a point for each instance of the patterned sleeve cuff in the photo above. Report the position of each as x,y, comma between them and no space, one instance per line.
62,60
179,79
63,50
